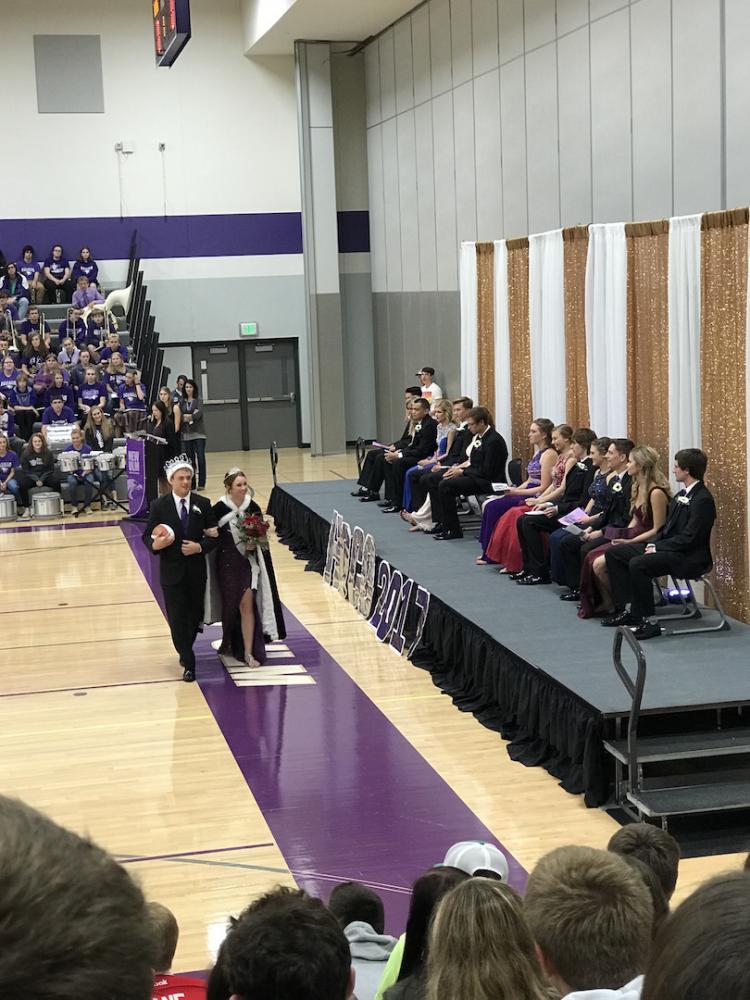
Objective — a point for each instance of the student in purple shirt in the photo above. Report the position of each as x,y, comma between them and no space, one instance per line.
6,352
98,327
56,281
28,267
25,406
6,306
8,466
114,347
114,377
37,469
74,327
18,290
91,393
61,390
87,266
86,294
132,393
57,413
8,375
7,420
69,354
35,354
33,324
85,480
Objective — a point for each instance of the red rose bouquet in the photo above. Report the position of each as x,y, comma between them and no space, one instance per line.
253,531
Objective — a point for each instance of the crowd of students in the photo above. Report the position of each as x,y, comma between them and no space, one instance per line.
29,281
596,515
591,925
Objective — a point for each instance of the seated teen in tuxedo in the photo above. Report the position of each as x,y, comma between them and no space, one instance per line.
533,527
682,548
373,469
489,456
574,548
456,455
422,444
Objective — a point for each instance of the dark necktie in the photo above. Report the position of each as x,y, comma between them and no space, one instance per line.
183,517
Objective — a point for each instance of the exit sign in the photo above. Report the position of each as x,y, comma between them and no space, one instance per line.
248,329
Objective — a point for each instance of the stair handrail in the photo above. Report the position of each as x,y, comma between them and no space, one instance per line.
635,690
273,452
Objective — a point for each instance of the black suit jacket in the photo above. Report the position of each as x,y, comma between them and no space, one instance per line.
174,567
457,451
616,514
687,529
577,482
489,456
424,442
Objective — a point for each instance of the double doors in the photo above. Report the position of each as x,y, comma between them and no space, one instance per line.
249,393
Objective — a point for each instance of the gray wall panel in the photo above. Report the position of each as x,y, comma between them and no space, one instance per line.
610,119
697,107
539,22
377,207
575,128
445,192
426,198
404,66
400,375
571,14
447,361
488,153
513,122
600,8
440,46
652,107
461,54
359,355
392,207
372,83
738,102
466,183
407,181
383,386
333,427
387,75
510,13
485,38
420,41
541,139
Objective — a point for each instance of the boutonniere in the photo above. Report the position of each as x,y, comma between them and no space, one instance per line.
684,500
581,465
418,427
617,487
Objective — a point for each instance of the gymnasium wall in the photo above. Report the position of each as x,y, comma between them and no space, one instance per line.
498,118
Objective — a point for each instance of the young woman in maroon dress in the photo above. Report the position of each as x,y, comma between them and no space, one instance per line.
250,608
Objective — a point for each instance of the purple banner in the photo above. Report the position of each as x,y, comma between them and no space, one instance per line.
136,475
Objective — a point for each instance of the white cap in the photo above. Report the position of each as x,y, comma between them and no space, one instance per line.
476,855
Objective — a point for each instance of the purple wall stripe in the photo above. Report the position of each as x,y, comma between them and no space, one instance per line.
248,235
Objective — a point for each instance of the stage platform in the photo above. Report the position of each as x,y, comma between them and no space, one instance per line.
519,658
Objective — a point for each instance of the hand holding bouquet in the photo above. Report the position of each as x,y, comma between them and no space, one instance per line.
253,532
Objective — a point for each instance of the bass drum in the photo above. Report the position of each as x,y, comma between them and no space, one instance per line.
7,507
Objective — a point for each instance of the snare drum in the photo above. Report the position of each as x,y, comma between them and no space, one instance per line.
69,461
7,507
120,455
88,463
47,505
105,461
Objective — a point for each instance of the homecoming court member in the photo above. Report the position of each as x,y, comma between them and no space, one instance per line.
85,266
99,435
504,547
37,470
193,431
29,268
18,292
250,606
538,478
9,485
25,406
91,393
86,480
649,500
57,283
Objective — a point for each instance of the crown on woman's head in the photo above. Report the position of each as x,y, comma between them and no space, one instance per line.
176,463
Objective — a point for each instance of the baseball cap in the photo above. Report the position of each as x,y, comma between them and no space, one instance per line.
476,855
425,371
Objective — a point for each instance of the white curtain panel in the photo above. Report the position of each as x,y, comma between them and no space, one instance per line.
468,292
547,325
684,334
502,343
606,329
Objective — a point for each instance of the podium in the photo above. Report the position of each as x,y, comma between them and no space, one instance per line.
145,457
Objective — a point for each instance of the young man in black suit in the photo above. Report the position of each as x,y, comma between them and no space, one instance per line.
456,454
373,468
489,456
422,444
682,548
177,528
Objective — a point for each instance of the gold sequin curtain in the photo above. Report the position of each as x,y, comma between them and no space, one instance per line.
648,336
723,397
486,325
520,346
575,251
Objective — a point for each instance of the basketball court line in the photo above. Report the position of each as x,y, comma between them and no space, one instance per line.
126,858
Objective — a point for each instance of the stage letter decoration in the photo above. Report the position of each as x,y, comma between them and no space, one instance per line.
136,475
400,604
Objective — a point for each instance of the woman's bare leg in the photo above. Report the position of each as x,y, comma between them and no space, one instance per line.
602,582
247,622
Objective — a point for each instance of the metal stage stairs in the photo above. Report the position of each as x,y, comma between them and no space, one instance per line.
672,775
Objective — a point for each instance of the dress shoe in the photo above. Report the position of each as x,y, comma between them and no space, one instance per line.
391,509
448,536
361,492
437,530
621,618
647,630
188,674
370,498
571,595
518,575
532,580
384,503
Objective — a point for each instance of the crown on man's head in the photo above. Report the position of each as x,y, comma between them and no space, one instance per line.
177,463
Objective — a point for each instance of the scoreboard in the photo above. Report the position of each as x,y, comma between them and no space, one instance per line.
171,29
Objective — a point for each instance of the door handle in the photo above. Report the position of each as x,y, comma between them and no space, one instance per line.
219,402
290,398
